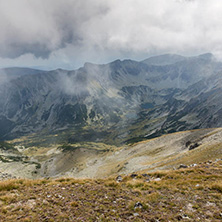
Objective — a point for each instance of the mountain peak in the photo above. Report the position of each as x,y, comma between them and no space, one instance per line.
207,56
166,59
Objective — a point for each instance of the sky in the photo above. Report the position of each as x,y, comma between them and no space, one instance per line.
52,34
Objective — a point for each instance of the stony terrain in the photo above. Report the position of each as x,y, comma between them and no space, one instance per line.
98,160
6,176
189,194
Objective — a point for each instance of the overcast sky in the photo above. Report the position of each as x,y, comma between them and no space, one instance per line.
67,33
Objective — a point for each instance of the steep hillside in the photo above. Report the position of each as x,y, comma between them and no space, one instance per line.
99,160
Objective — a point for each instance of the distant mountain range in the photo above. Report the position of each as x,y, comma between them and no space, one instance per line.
120,102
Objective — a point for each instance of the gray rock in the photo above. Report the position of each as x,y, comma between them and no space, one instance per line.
119,179
133,175
138,205
193,146
182,166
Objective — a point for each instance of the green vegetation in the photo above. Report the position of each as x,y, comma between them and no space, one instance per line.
7,146
7,159
67,147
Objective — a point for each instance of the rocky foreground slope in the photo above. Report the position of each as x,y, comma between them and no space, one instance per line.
189,194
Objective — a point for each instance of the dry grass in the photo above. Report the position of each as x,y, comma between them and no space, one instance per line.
217,186
192,194
8,185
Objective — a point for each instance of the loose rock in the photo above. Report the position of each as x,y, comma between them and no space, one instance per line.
133,175
119,179
138,205
182,166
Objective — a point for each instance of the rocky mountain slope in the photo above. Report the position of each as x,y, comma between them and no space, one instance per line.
120,102
87,122
99,160
138,137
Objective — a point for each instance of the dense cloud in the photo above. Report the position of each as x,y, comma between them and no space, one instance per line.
41,27
97,30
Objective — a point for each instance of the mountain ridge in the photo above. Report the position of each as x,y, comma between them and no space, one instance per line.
103,98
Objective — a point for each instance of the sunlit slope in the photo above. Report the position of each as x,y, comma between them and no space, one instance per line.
97,160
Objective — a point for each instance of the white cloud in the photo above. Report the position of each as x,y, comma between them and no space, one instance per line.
73,31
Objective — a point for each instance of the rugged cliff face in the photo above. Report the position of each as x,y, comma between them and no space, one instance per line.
122,101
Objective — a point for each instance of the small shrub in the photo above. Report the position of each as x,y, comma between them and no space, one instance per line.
74,204
67,147
44,181
159,174
38,166
139,185
4,211
6,146
111,184
153,197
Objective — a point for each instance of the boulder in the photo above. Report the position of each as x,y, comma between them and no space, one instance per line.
182,166
138,205
193,146
119,179
133,175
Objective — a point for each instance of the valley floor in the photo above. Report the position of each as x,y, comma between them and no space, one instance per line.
186,194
